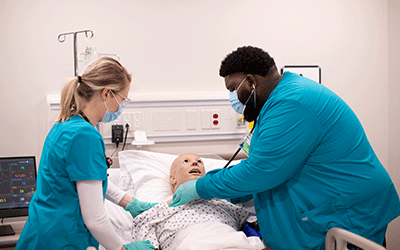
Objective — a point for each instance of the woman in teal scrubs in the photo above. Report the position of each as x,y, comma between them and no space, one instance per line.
310,166
67,210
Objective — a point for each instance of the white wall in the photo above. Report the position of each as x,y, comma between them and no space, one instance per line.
394,107
178,45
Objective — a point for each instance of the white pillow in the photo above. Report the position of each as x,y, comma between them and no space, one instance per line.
150,172
120,219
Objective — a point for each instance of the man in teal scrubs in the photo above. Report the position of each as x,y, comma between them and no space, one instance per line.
310,166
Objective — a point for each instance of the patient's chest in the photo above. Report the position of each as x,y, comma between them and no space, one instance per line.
195,212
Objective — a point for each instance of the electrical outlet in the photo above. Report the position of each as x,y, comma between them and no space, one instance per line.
241,122
126,119
137,120
215,119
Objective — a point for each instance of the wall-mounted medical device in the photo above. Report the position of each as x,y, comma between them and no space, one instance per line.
171,117
312,72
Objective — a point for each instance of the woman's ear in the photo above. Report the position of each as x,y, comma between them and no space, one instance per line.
104,93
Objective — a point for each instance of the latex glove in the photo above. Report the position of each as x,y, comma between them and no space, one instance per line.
185,193
137,207
139,245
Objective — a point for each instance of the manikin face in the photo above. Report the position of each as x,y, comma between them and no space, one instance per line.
186,167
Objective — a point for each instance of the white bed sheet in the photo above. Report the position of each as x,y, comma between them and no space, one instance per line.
214,236
120,219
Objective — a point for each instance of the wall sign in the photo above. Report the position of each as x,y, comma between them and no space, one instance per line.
309,71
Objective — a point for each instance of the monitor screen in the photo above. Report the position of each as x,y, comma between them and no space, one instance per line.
17,185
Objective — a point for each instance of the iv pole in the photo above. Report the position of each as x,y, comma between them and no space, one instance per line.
61,38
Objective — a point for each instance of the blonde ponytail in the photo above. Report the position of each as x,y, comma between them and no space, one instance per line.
104,72
69,101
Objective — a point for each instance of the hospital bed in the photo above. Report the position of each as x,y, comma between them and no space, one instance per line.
145,175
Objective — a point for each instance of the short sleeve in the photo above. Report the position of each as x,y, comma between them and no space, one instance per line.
86,156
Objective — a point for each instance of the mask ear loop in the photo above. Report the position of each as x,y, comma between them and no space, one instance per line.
254,93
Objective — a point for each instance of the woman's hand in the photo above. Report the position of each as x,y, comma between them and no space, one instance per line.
137,207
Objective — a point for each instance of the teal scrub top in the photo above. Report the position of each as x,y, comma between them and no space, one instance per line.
310,168
73,151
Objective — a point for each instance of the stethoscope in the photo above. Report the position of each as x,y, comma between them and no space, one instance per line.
109,161
242,143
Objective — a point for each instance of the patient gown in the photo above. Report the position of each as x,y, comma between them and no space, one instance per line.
162,224
73,151
310,168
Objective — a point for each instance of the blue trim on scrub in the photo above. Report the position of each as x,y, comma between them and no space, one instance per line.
73,151
310,168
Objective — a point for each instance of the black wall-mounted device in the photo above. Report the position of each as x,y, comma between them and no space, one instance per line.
117,134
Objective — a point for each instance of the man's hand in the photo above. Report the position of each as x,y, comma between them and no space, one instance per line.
137,207
185,193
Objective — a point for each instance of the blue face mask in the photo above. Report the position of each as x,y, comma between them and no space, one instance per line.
236,104
108,116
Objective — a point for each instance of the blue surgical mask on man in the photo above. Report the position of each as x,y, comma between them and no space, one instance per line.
108,116
236,104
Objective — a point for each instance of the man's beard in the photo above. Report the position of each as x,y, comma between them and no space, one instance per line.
250,113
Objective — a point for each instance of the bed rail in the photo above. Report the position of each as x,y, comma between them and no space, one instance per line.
342,237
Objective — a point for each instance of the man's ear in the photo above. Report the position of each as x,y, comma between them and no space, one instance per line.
252,80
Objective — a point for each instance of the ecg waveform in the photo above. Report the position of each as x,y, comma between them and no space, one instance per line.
5,181
17,183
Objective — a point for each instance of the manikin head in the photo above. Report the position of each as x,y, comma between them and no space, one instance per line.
186,167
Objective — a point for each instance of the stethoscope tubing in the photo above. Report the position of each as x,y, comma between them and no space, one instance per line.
238,150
